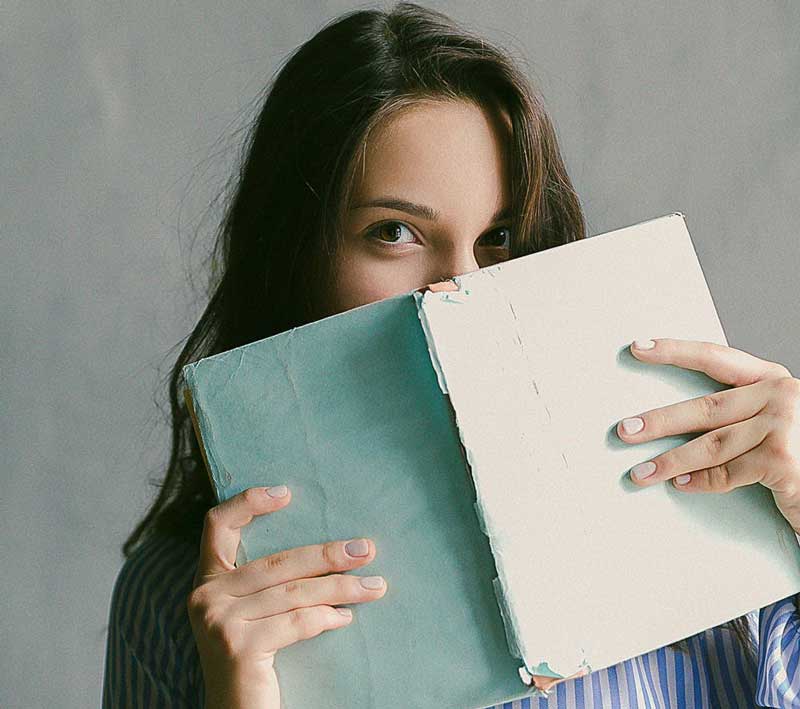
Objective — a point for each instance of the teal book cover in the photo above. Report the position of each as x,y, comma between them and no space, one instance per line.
348,413
468,433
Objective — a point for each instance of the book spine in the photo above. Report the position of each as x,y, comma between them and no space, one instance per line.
200,423
195,413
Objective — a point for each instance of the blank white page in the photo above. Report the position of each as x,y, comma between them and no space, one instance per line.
534,354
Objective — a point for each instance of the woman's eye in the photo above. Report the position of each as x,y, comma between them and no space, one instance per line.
393,232
390,233
499,238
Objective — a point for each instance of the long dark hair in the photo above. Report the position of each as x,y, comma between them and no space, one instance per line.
282,223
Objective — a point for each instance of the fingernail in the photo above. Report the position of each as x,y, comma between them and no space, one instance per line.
683,479
357,547
643,470
632,425
278,491
644,344
372,582
345,612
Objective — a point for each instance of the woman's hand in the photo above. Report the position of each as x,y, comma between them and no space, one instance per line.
241,617
753,429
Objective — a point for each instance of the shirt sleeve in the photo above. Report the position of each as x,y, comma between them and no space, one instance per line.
778,680
151,660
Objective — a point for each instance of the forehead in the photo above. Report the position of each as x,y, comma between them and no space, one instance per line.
453,150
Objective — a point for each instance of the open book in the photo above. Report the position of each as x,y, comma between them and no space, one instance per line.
471,435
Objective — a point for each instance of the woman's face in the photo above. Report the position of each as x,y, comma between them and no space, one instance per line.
431,202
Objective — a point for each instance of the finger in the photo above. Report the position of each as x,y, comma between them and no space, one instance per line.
298,563
546,683
439,286
707,451
221,529
767,464
300,593
725,364
702,413
279,631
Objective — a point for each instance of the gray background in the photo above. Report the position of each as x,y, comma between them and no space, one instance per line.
118,125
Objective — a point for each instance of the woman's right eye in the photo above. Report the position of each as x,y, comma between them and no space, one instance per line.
394,232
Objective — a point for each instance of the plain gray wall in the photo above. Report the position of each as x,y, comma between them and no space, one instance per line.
118,125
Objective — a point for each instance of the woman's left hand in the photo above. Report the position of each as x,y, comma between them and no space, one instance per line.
753,429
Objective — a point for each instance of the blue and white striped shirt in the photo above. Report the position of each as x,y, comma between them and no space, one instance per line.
152,660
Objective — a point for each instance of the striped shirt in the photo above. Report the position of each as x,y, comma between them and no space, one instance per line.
152,661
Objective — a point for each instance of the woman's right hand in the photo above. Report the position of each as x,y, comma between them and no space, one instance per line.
241,617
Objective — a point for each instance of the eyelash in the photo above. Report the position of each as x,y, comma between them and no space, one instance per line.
372,234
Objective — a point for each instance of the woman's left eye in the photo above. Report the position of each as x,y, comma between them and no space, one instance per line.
499,239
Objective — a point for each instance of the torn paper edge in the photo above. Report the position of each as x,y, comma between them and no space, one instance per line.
419,299
510,623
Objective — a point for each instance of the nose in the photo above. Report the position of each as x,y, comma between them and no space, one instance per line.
456,262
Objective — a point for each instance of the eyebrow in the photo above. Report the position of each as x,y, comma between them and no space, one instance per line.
419,210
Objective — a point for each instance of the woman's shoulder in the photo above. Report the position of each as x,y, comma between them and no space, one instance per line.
148,605
151,656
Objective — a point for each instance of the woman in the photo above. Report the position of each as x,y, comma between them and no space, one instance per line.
395,150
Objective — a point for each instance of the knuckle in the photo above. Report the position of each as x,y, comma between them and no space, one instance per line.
331,556
196,601
344,586
701,480
293,587
251,496
349,585
306,621
709,405
778,370
204,613
791,491
781,451
789,388
212,517
720,477
713,443
276,560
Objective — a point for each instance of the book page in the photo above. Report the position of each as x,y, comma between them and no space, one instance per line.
534,354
